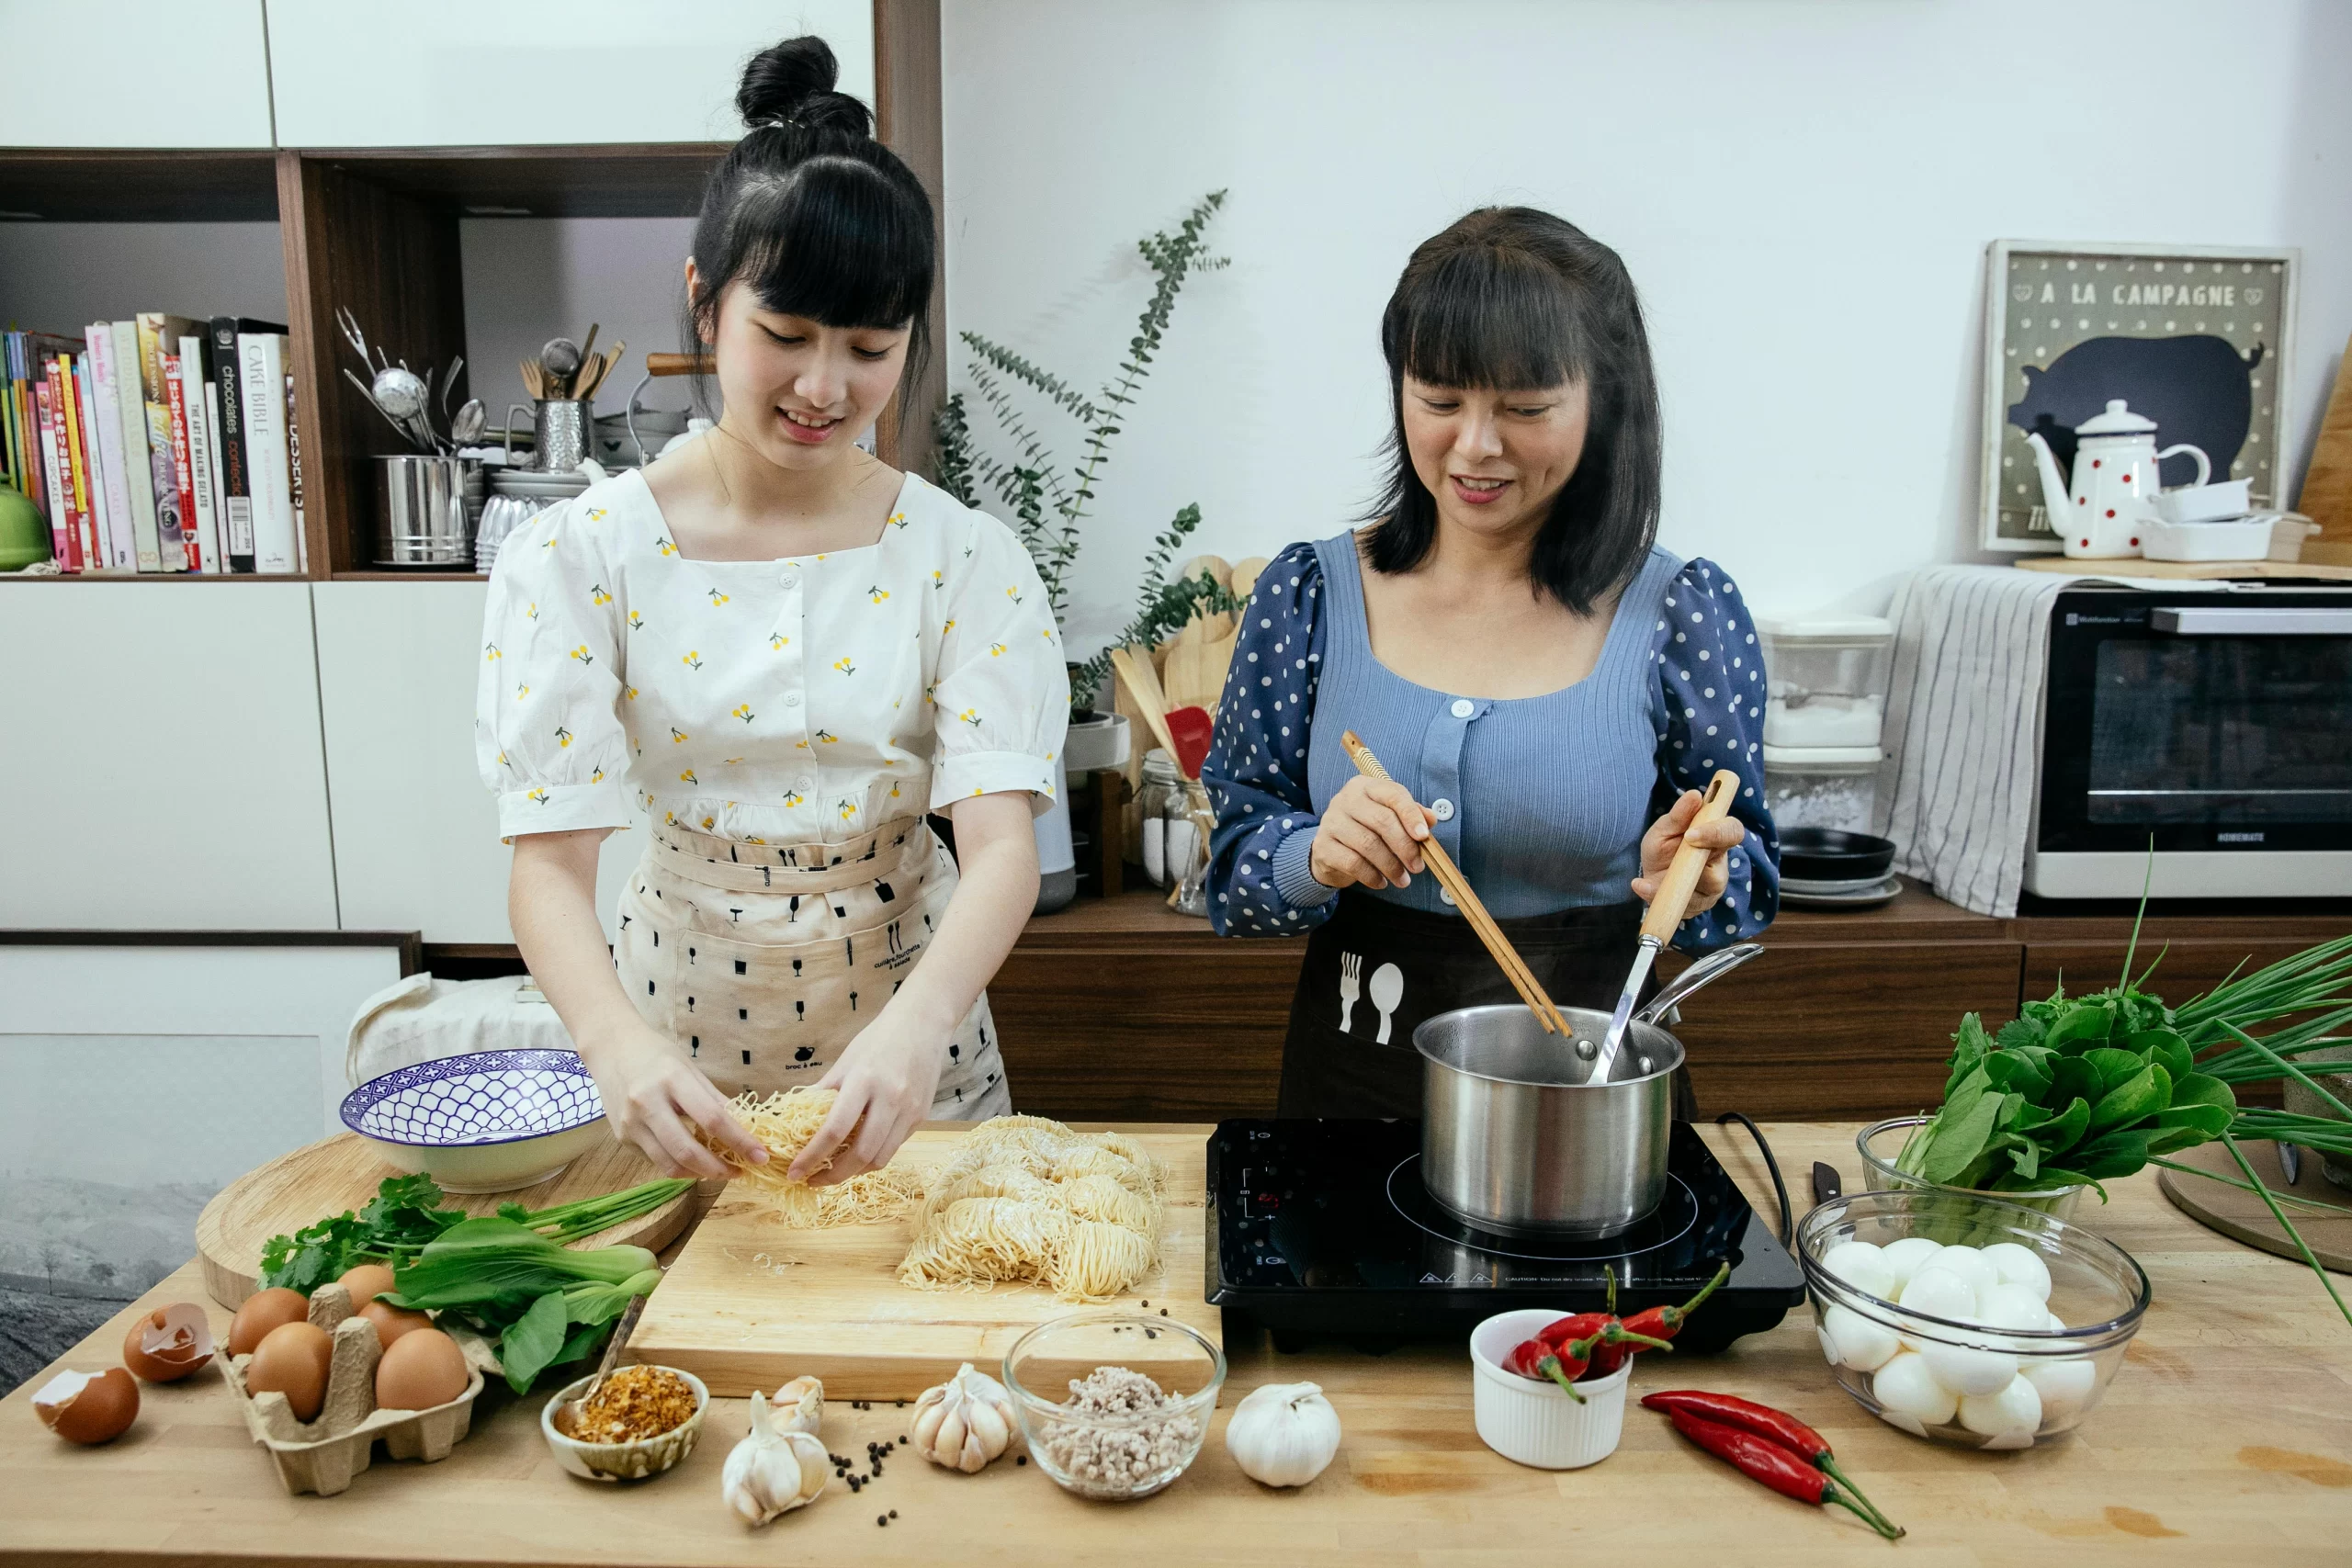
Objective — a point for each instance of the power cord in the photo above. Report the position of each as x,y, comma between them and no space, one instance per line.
1787,1220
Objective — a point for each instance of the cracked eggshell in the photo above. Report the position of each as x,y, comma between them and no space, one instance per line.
169,1343
1905,1387
88,1407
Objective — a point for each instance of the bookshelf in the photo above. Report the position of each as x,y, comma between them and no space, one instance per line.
376,229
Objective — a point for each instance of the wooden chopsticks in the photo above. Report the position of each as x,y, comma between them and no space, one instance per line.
1449,876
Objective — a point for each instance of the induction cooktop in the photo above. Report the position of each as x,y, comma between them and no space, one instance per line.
1325,1228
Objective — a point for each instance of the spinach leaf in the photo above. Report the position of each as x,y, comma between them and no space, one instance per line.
2113,1066
532,1342
2084,1026
2023,1072
2111,1155
2164,1046
1959,1141
1969,1046
2062,1132
2135,1100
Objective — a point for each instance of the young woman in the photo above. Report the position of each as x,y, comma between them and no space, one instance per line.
789,652
1548,689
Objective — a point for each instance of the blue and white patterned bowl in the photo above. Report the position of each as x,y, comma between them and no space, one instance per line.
489,1121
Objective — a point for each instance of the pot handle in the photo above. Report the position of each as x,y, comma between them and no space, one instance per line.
1706,972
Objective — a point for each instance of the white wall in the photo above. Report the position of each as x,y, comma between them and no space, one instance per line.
1802,190
60,278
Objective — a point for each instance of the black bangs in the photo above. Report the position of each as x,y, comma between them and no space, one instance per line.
1487,317
831,241
1513,299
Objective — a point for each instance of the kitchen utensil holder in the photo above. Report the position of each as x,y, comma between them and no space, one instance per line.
422,516
563,434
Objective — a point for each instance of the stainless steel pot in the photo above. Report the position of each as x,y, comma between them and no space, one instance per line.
1516,1139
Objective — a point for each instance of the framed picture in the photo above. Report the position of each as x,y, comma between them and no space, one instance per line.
2194,337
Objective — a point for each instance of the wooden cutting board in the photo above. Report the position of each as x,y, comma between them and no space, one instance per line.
342,1172
2243,1215
749,1303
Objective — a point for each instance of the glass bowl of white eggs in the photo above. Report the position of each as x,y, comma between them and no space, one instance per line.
1968,1320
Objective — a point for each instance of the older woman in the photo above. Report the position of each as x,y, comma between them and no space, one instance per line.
1548,689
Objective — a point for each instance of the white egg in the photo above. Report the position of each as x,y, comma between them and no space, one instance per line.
1906,1386
2016,1408
1968,1263
1968,1371
1862,1266
1860,1343
1906,1256
2020,1266
1940,1292
2064,1386
2011,1306
2057,1323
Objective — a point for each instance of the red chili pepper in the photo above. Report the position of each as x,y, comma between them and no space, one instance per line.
1566,1363
1568,1330
1659,1322
1779,1427
1760,1459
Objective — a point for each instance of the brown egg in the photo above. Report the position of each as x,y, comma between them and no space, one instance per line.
422,1370
365,1282
88,1407
169,1343
292,1359
263,1311
392,1321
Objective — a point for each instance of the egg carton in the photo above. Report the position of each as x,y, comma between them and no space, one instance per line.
323,1454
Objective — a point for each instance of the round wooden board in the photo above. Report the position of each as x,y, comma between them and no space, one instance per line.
2243,1216
343,1173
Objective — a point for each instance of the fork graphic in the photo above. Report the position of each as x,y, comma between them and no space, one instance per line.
1350,987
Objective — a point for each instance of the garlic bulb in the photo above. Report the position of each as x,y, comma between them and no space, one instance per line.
964,1422
1284,1433
798,1406
772,1471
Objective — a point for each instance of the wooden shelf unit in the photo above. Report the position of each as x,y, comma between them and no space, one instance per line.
374,231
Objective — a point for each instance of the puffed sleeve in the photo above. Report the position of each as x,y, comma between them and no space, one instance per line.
1260,881
1001,694
1711,715
547,729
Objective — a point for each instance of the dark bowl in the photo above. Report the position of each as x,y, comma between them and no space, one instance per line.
1831,854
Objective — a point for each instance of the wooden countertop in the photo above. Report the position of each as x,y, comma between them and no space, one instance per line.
2225,1437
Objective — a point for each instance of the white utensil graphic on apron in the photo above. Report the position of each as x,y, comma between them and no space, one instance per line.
1387,991
1349,967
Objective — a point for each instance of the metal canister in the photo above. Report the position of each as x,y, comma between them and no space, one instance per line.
1515,1137
420,514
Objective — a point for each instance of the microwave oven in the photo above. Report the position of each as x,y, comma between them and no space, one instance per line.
2214,724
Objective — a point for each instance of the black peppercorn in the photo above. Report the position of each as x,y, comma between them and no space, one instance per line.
1021,1459
1163,1312
881,1518
894,1513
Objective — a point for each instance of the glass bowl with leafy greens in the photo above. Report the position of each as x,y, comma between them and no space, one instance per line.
1965,1319
1885,1147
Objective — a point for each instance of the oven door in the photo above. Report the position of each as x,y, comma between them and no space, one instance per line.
2217,726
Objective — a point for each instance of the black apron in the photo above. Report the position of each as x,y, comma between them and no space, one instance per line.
1375,969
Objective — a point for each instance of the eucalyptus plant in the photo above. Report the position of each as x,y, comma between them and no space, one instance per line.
1050,498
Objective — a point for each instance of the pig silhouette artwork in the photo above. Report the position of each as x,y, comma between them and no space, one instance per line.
2198,388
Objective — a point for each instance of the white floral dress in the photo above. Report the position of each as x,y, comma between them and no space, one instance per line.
786,724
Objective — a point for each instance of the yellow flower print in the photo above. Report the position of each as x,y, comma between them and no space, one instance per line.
548,543
665,546
898,520
970,716
827,736
692,658
670,819
847,807
927,692
948,628
539,795
1047,634
755,838
630,692
596,513
716,598
820,558
801,745
489,653
562,737
844,666
531,611
688,777
596,775
894,792
596,595
996,650
708,820
636,621
1014,593
678,737
793,797
778,642
737,761
938,579
522,691
581,654
975,789
877,593
741,711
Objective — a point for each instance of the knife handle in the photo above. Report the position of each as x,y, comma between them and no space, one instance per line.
1683,872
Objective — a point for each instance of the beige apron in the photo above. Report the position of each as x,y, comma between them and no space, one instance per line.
765,959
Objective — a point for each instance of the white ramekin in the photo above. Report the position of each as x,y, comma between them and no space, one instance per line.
1535,1423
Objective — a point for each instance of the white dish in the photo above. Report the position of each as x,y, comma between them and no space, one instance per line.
1536,1424
2204,503
2236,538
1828,889
486,1122
1867,898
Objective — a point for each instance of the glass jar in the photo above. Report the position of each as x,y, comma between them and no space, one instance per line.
1189,825
1822,787
1161,780
1825,681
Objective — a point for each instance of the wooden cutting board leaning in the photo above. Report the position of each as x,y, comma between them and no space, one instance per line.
749,1303
342,1172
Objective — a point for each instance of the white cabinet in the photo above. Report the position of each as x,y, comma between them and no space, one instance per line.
163,757
460,73
416,843
134,74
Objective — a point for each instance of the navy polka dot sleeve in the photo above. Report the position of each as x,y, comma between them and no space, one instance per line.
1711,715
1259,884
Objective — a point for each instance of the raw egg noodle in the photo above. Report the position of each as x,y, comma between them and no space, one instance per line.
785,1122
1028,1200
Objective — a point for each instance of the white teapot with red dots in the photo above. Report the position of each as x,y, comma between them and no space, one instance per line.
2104,513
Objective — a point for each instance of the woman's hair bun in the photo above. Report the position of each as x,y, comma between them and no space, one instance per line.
793,82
